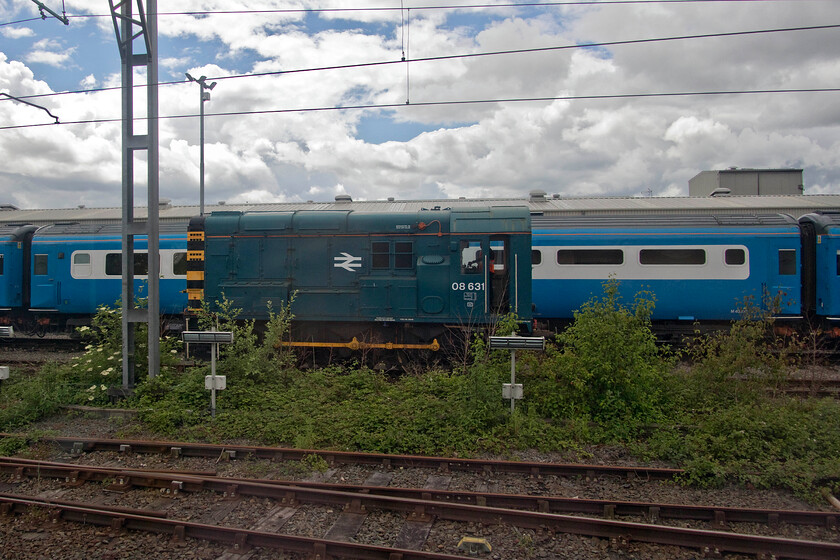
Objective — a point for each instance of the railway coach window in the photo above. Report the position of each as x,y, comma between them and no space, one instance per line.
1,265
113,264
40,265
590,256
179,264
672,256
734,256
81,265
787,262
536,257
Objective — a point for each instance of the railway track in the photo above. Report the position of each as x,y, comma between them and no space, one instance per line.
417,508
444,464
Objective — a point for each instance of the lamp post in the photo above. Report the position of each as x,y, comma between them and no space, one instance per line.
204,92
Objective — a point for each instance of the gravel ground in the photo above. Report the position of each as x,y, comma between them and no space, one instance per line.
24,537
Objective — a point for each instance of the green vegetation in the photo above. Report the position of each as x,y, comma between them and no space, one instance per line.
604,380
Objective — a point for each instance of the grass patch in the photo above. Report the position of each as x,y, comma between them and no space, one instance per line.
603,381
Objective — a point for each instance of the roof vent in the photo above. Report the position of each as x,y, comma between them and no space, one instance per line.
390,199
343,198
81,206
221,203
537,196
721,191
164,203
555,196
8,207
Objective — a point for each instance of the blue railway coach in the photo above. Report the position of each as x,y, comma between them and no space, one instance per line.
14,256
821,265
74,268
397,277
700,268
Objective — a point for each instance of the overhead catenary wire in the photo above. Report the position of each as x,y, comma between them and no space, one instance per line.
20,21
467,55
455,102
445,7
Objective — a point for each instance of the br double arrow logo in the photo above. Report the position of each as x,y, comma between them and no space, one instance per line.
348,262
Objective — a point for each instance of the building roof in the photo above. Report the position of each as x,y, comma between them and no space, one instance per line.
538,202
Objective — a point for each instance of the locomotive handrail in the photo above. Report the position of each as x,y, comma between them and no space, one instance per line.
356,344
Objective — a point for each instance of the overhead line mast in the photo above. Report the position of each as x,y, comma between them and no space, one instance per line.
146,27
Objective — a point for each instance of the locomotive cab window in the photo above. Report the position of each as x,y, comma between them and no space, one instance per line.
734,256
672,256
787,262
40,265
472,257
497,257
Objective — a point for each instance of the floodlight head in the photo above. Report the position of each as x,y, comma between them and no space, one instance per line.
211,86
190,78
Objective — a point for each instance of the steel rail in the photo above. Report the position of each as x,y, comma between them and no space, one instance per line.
115,509
605,508
109,469
240,540
289,495
719,515
74,473
81,445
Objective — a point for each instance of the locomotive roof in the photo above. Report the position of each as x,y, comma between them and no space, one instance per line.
538,203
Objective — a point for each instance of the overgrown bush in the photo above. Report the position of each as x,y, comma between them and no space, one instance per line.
607,366
735,365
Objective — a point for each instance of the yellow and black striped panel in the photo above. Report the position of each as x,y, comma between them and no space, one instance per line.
195,262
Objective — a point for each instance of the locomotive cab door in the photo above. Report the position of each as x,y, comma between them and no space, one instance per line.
498,275
486,271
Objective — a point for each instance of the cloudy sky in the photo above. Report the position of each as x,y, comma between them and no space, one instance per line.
449,126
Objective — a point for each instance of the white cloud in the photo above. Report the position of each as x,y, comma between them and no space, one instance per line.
88,82
17,32
609,146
